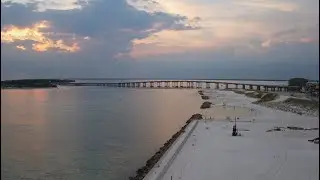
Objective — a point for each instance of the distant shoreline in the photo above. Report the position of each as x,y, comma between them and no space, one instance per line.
26,88
33,83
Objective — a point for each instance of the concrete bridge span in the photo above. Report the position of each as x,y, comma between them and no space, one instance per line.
193,84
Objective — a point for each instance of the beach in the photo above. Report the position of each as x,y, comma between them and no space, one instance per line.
273,144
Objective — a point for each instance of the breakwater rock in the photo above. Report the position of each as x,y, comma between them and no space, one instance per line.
205,105
142,172
205,97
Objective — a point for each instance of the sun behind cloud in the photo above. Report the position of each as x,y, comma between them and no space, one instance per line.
41,40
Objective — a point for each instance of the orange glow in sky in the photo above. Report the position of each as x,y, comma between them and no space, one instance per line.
41,41
226,25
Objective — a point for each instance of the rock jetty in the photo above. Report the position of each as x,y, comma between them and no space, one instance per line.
142,172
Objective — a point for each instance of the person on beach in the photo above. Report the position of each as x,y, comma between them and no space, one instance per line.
234,130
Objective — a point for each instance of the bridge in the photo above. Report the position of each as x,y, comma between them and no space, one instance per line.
187,84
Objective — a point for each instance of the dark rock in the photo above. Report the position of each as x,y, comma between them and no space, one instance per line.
195,116
315,140
205,105
275,129
295,128
205,97
310,129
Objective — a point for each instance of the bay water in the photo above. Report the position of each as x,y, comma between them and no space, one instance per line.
87,133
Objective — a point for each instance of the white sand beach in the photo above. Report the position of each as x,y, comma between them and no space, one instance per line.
210,152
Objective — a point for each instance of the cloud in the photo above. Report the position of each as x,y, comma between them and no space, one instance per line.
266,43
21,47
293,35
41,41
248,25
102,29
270,4
44,5
306,40
103,32
121,39
150,6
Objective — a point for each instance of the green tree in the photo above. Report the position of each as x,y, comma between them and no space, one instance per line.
301,82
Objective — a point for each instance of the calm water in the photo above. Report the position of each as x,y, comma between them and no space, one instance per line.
82,133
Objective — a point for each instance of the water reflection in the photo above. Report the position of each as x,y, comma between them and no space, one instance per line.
23,130
87,132
14,103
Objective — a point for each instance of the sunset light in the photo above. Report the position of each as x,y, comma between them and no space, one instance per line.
41,41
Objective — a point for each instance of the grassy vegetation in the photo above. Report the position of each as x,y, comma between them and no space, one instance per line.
238,91
261,96
297,82
252,94
267,97
255,94
303,102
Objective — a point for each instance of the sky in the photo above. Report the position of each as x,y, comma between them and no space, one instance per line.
212,39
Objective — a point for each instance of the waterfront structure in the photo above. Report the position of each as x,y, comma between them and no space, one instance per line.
188,84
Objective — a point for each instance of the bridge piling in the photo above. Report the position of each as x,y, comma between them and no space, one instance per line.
181,84
198,85
207,85
167,84
192,85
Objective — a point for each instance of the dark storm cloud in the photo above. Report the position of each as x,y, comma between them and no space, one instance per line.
103,21
94,19
18,14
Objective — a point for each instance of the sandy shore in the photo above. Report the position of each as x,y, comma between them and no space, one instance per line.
210,152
